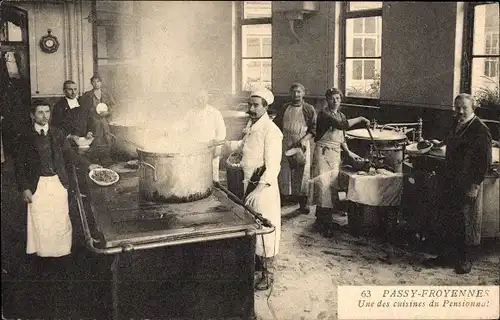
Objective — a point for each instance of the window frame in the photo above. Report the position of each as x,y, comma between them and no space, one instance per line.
468,46
133,21
346,14
240,22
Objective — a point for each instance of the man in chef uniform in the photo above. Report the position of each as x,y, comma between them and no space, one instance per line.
42,178
210,125
261,158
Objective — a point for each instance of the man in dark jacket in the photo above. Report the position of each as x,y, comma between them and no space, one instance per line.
69,115
468,158
40,164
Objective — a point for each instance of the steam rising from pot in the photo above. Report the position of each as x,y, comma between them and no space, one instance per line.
171,39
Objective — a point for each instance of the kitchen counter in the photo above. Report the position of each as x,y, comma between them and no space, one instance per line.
185,261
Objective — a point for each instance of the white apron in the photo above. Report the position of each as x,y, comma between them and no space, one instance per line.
323,186
294,181
49,226
262,146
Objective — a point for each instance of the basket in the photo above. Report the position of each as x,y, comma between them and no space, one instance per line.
234,175
115,175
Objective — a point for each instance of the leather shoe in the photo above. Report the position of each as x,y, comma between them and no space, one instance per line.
463,267
265,282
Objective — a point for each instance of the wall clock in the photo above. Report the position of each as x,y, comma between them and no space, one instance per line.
49,43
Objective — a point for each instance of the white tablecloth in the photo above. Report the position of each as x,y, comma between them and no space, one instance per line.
374,190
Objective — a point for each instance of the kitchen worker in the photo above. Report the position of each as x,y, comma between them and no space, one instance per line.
211,126
41,175
297,121
69,116
100,104
330,141
468,158
261,158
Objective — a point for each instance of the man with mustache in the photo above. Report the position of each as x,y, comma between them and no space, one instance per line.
261,158
468,158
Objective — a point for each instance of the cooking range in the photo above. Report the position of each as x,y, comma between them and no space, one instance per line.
184,250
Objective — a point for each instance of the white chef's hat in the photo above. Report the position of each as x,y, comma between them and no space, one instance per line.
264,93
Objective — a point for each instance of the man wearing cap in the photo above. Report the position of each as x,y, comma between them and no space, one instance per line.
261,158
297,121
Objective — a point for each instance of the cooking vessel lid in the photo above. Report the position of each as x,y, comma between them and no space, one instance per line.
188,148
378,135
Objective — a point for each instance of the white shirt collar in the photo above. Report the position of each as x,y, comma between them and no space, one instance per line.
259,123
39,128
72,103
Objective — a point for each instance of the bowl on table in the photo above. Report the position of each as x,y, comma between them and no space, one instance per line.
104,177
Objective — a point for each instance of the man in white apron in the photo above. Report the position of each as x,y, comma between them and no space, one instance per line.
297,121
210,126
40,159
261,157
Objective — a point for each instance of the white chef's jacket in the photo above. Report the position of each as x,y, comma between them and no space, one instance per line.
207,125
262,146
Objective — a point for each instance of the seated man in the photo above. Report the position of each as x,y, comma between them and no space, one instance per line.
69,116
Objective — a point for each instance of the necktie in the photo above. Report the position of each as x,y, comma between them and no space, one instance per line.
42,132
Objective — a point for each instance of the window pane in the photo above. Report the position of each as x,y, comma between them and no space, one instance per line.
369,47
369,69
256,73
256,9
253,47
266,47
359,5
249,35
370,25
484,75
357,70
352,38
363,78
358,25
486,28
357,47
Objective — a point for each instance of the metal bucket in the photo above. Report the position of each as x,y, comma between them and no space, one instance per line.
393,156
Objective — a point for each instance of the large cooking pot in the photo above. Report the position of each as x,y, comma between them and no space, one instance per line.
179,177
390,144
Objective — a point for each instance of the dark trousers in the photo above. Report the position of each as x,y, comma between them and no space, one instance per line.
457,227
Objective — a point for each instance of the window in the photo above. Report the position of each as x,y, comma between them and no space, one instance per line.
255,32
482,55
115,32
361,49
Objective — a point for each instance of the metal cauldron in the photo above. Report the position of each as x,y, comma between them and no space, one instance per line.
176,177
390,144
